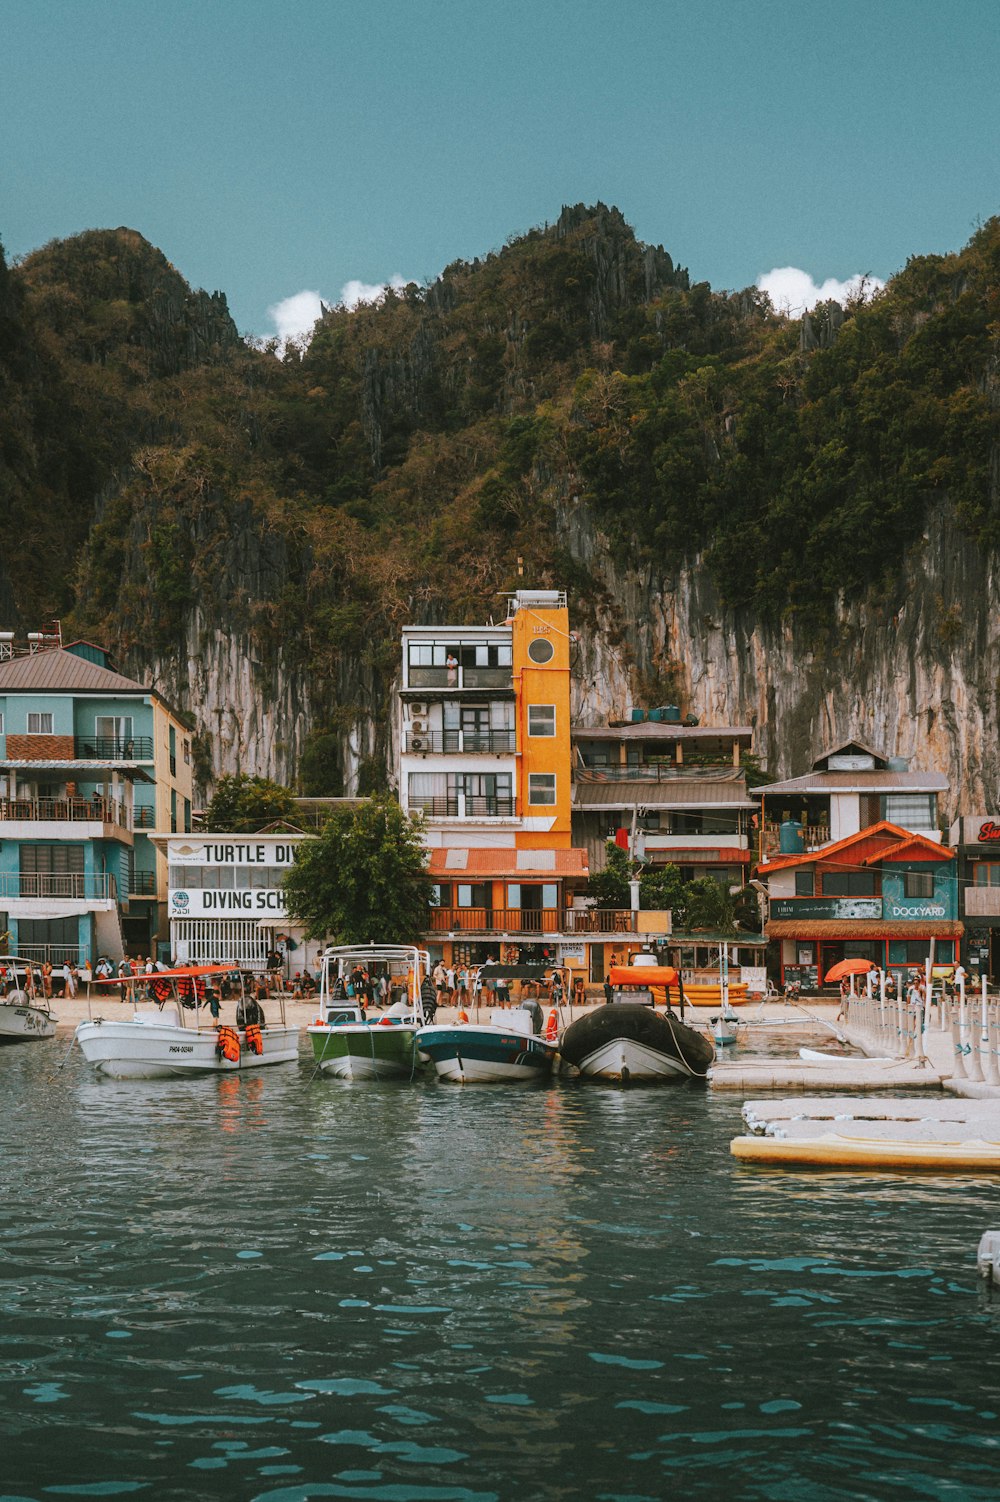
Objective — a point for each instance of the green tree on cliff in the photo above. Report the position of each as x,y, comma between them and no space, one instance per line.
243,804
364,880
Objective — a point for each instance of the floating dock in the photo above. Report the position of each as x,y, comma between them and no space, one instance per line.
947,1135
851,1072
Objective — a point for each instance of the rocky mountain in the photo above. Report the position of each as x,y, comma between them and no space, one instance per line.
791,523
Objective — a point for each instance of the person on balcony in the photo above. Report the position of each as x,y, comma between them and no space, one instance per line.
451,663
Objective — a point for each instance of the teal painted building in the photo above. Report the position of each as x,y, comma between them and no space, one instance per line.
91,763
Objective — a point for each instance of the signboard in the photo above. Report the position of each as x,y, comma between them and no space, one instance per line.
805,908
572,954
754,977
914,907
806,975
225,878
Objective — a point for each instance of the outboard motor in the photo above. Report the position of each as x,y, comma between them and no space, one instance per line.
535,1012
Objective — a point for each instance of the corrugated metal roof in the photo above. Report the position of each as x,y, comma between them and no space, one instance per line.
506,862
859,782
60,671
896,839
131,771
686,793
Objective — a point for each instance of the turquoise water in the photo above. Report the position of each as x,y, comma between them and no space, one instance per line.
280,1288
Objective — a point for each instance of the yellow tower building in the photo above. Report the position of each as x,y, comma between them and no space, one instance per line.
541,645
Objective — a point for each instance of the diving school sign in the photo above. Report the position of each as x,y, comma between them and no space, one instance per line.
223,879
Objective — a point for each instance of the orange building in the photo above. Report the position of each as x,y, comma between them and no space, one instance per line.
485,754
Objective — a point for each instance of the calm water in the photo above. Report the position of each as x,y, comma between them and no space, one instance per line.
284,1289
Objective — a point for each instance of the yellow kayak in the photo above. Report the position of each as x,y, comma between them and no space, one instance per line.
705,995
834,1151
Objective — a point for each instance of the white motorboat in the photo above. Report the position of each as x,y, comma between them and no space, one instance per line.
164,1034
25,1014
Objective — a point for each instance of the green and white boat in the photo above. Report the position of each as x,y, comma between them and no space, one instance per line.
357,1043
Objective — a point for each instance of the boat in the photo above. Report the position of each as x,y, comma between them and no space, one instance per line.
629,1038
25,1014
166,1035
725,1027
353,1043
508,1047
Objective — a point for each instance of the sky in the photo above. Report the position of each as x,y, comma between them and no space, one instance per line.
287,150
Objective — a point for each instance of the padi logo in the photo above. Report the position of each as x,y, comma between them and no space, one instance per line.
180,902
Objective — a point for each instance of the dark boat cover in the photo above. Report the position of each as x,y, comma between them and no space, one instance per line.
641,1024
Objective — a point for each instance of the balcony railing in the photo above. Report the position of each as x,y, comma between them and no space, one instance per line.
814,836
652,771
523,920
143,816
143,884
464,806
59,810
489,742
114,748
460,677
77,885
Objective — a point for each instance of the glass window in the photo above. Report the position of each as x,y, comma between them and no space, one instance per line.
805,883
541,719
541,650
472,894
541,788
1,722
918,884
187,752
986,874
911,810
113,727
849,884
441,894
39,723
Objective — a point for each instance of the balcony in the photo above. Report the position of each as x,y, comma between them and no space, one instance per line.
814,837
460,677
97,810
653,771
522,920
464,806
70,886
143,817
113,748
143,884
478,742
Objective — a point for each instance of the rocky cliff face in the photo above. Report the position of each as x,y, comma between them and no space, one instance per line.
915,674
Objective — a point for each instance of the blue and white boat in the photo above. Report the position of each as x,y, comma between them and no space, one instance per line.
508,1047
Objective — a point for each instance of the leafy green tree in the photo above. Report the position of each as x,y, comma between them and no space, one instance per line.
708,905
661,888
365,879
243,804
610,886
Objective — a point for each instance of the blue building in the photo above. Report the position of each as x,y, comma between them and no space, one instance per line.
91,763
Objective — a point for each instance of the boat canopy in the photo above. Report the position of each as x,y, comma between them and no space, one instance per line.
643,975
187,972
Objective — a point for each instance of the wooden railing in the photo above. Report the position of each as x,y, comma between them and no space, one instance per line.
524,920
59,810
813,837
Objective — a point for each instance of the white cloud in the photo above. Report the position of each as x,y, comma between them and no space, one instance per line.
294,317
355,292
794,292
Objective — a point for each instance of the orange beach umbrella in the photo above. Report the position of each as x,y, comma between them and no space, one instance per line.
847,967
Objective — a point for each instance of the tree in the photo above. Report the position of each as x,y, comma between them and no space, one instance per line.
708,905
243,804
364,879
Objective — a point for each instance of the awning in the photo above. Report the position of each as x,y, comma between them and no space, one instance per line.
845,928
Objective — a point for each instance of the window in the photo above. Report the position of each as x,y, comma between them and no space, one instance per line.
187,812
909,951
805,883
533,896
911,810
918,884
986,874
541,788
113,727
39,724
849,884
1,722
541,719
541,650
187,753
173,809
51,860
472,894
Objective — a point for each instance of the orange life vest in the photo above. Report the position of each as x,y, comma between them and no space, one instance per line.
253,1038
228,1044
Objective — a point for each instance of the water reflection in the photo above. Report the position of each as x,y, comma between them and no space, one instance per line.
281,1288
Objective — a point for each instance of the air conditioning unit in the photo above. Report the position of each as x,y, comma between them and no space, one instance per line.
418,711
418,727
419,743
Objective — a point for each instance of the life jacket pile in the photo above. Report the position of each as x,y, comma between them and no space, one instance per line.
227,1044
254,1041
160,990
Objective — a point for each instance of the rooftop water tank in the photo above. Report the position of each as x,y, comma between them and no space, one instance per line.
672,714
637,716
790,840
656,715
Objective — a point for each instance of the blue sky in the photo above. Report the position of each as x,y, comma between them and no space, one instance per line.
270,148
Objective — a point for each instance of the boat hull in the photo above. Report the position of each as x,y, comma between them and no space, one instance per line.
25,1024
468,1055
365,1052
622,1041
137,1048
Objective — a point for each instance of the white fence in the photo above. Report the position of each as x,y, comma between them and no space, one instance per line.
898,1026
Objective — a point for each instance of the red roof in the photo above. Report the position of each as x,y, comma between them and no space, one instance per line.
446,862
917,846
